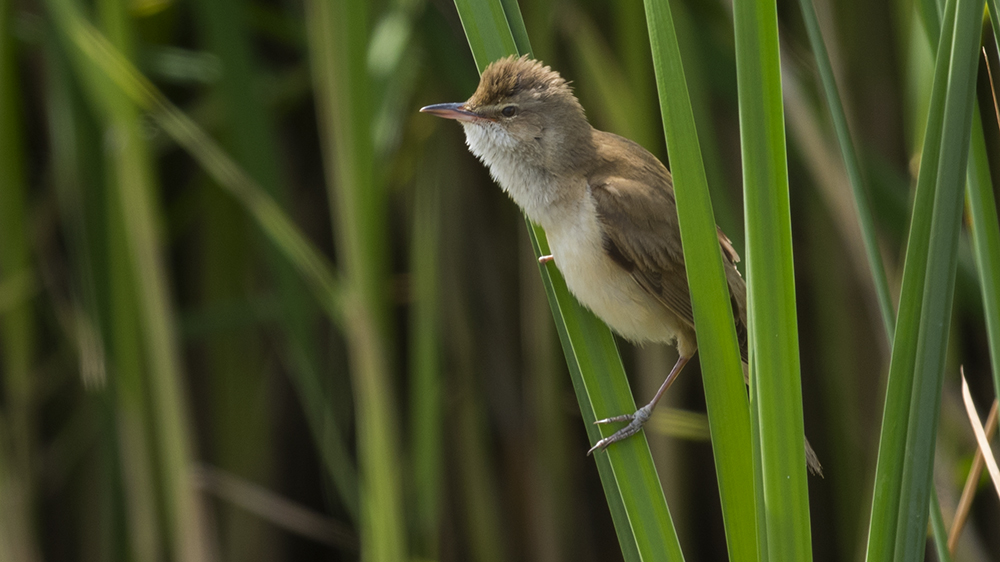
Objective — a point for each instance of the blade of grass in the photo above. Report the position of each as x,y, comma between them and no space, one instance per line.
101,287
631,485
939,529
892,440
984,225
251,141
776,383
487,31
240,415
338,34
132,403
134,189
314,268
17,323
477,477
852,165
426,393
725,395
281,231
642,519
939,287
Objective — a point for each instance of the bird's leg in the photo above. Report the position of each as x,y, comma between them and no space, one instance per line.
545,259
642,415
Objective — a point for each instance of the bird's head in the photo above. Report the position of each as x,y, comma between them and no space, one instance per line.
521,108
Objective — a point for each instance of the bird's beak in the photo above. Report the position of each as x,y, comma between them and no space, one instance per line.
455,111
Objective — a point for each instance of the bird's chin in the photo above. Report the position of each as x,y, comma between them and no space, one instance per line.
487,137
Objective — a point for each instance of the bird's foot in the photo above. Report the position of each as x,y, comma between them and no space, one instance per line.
545,259
635,423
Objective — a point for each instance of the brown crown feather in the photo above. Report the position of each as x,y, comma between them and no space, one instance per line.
507,77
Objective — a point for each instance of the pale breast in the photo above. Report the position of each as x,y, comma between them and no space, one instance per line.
529,187
567,212
600,284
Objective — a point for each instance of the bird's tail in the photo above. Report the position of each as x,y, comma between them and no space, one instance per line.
812,461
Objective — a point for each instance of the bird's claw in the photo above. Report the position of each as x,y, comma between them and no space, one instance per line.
614,419
635,423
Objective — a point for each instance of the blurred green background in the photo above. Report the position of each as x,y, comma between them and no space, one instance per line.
254,304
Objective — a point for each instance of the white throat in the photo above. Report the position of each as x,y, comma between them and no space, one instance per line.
512,166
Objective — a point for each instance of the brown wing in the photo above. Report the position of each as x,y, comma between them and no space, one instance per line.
639,216
641,235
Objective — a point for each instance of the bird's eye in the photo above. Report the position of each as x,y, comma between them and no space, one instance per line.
509,111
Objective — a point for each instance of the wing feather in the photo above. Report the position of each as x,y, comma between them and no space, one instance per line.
641,234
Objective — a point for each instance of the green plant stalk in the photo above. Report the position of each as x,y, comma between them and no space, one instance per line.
134,187
240,430
132,403
17,323
631,485
725,394
939,529
758,459
930,16
338,41
251,141
477,480
994,10
939,286
892,440
985,228
426,394
102,282
771,288
90,45
868,234
280,230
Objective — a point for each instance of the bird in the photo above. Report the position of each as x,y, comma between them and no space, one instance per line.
607,207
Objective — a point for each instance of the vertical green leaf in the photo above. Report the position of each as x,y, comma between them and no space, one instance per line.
725,395
776,381
939,286
17,323
134,190
985,228
892,441
427,392
338,43
239,422
128,523
98,59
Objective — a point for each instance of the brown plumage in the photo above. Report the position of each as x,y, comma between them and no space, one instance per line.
645,236
606,204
